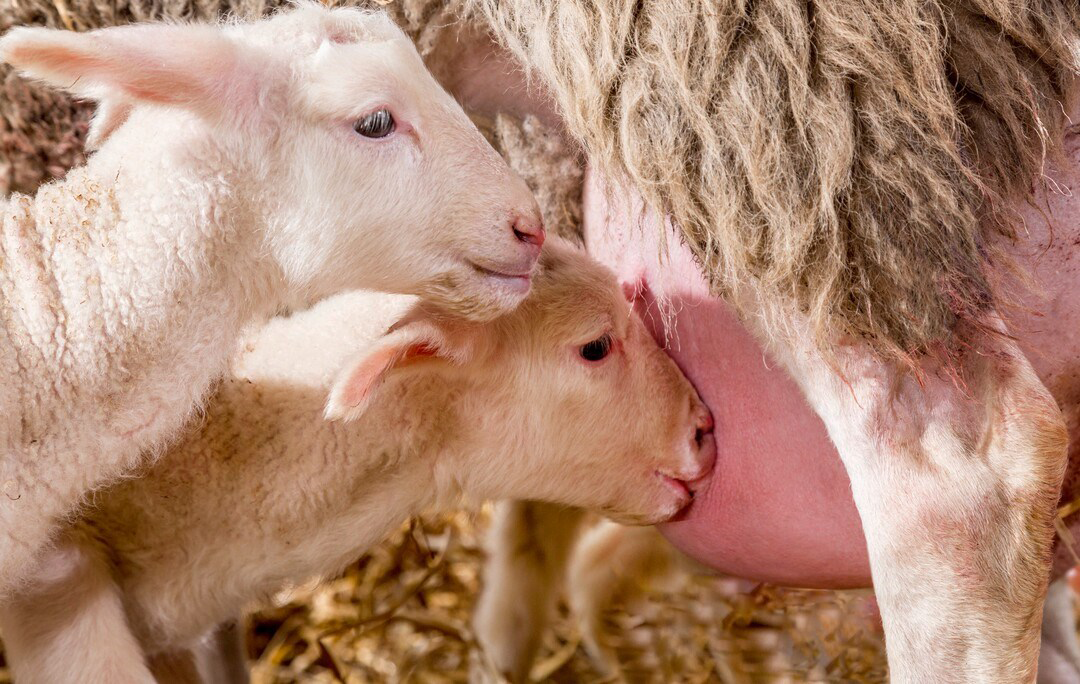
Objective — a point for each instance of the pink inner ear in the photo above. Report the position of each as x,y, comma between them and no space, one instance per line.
205,73
52,57
366,375
422,349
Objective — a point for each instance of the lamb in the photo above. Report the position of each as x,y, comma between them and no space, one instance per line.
241,169
568,400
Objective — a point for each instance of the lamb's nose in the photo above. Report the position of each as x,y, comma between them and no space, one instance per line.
704,441
704,422
529,230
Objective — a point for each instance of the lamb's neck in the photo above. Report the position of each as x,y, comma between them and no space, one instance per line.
201,224
425,412
140,276
415,442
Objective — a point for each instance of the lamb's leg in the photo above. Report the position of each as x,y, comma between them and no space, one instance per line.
41,487
956,480
609,562
217,658
68,623
221,656
175,667
1059,657
529,545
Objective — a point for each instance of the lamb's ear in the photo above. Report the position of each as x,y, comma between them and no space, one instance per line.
195,67
108,117
408,345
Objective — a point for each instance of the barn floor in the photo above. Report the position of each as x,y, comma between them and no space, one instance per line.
401,614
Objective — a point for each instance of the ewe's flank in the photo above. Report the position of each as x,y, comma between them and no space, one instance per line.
851,158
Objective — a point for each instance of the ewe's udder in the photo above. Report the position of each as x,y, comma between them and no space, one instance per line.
778,505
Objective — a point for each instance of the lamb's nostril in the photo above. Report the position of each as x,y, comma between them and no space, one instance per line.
529,231
704,443
705,423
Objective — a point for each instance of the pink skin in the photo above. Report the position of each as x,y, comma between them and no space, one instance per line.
777,506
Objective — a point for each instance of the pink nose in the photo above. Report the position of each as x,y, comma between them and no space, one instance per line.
529,230
704,420
704,441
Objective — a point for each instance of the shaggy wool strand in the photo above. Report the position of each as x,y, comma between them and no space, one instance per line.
852,160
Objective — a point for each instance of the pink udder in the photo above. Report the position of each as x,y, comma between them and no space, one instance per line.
778,504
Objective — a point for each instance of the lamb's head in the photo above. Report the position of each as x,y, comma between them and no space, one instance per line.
356,166
567,399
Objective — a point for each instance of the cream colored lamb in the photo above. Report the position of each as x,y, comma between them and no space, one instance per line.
242,168
568,399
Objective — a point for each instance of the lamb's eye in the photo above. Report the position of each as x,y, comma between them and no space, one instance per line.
377,124
597,349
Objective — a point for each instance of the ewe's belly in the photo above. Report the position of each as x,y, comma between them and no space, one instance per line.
1049,325
778,506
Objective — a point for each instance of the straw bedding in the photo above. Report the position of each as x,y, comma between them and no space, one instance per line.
401,615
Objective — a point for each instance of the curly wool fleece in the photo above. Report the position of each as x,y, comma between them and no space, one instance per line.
853,159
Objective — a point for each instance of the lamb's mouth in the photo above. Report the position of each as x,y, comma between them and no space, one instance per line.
515,282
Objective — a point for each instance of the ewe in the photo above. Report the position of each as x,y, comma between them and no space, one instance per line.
568,399
242,168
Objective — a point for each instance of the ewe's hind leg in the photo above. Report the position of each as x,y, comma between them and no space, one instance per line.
528,547
1059,656
956,480
68,624
613,561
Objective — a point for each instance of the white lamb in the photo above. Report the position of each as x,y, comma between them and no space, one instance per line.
567,399
241,169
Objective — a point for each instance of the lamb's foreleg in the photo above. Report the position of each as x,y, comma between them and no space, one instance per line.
956,478
217,658
175,667
221,656
1059,656
67,624
528,547
613,561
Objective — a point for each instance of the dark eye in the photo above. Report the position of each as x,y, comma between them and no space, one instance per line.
377,124
597,349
